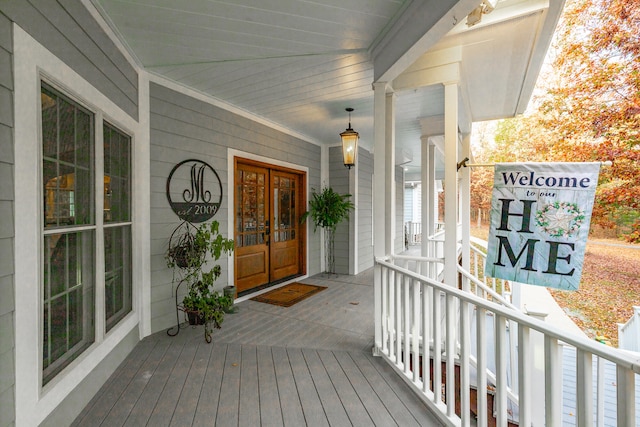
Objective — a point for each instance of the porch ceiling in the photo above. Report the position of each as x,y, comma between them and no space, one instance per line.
299,63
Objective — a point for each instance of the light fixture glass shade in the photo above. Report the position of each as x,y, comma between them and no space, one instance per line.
349,146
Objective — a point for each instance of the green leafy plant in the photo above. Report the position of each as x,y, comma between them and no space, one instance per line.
190,249
327,209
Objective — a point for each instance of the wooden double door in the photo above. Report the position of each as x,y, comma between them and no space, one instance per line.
269,240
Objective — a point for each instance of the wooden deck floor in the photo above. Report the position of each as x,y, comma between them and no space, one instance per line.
309,364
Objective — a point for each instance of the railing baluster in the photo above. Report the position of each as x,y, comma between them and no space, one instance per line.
381,292
393,328
626,397
465,384
584,387
406,325
553,382
524,376
600,393
501,370
415,331
426,337
481,365
398,321
450,337
437,346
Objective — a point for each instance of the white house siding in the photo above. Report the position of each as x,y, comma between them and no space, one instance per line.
339,181
184,127
365,209
7,366
67,30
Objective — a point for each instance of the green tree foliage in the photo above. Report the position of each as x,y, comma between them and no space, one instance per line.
588,107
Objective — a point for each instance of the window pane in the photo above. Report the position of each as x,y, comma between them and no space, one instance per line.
117,181
56,262
50,185
67,131
68,309
49,126
83,197
67,142
117,252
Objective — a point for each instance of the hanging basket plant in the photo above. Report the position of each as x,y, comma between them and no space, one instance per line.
190,249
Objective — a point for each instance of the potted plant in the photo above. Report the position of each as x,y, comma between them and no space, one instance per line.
190,248
327,209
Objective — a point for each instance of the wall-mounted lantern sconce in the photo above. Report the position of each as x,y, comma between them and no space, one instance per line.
349,144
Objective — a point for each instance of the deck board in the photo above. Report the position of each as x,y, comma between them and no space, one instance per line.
249,412
166,404
211,387
309,364
375,407
142,410
349,399
289,398
270,411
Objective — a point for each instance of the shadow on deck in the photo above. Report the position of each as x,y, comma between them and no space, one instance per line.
309,364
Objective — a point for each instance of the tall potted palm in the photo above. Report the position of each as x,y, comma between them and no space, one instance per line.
327,209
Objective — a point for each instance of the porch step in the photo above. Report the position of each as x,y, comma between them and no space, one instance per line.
473,391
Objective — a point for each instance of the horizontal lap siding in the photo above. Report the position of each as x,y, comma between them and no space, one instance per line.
339,181
67,29
183,127
365,209
7,339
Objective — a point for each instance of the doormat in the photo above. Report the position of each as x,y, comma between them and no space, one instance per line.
289,294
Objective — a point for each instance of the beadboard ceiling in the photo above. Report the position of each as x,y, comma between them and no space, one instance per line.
299,63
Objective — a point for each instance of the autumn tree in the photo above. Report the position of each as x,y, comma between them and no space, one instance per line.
588,106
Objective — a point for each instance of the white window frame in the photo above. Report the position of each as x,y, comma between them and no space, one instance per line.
32,64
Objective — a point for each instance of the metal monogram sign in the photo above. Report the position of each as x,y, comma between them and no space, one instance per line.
194,190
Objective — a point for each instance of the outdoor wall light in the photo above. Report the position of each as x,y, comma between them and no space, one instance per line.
349,144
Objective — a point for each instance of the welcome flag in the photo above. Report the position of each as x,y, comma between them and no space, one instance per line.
540,215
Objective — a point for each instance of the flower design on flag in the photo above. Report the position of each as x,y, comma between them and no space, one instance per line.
560,219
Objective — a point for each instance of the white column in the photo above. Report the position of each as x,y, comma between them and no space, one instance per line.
324,182
451,183
353,221
465,203
379,179
390,167
379,175
428,178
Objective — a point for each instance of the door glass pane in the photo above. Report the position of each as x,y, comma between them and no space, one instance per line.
250,208
284,208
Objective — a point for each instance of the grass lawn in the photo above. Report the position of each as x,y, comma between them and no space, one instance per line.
609,288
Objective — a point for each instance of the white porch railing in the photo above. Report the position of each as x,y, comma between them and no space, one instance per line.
431,332
477,257
629,333
414,232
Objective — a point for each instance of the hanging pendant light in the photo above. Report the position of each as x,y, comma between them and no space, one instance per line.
349,144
